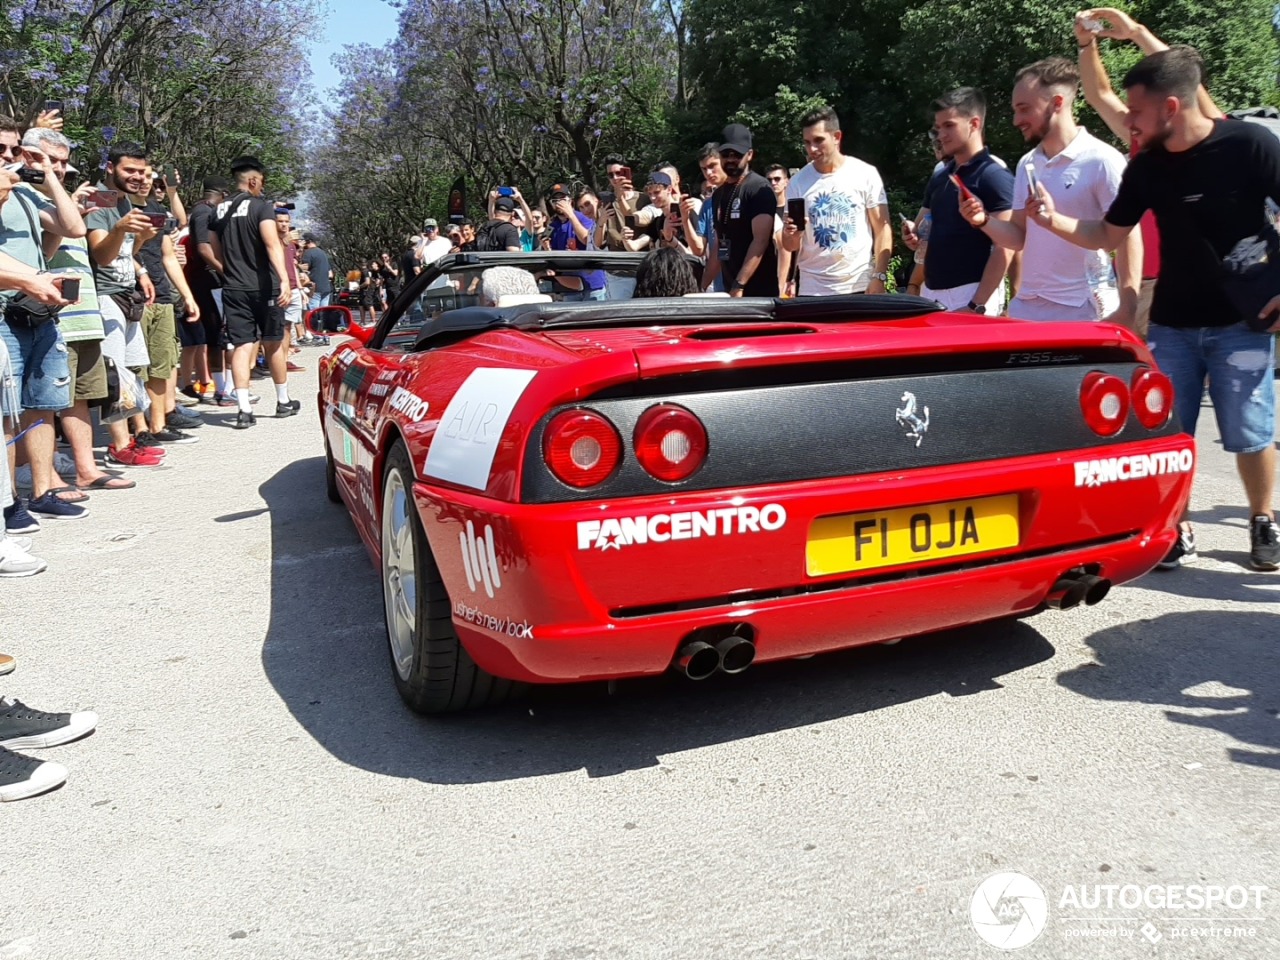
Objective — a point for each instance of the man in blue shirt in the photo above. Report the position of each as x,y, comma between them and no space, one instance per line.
963,268
571,230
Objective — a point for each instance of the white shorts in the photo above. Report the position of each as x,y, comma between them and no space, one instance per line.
122,342
957,298
293,312
1037,308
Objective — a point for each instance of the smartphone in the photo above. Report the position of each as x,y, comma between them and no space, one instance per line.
71,289
103,198
1033,181
630,222
158,220
170,224
1093,26
674,211
625,173
506,191
795,210
170,174
51,105
965,192
286,206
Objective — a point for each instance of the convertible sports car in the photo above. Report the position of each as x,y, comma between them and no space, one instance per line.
564,491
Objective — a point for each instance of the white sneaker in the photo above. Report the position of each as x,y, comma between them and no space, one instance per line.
16,562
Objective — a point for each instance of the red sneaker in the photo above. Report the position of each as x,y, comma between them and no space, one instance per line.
294,368
133,456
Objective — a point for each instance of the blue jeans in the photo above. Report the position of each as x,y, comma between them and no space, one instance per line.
1238,363
38,358
581,295
319,300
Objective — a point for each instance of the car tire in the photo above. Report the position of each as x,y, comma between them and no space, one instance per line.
432,670
330,476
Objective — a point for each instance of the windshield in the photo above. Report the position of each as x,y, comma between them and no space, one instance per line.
462,287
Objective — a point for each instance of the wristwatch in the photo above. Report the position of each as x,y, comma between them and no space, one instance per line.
978,308
882,277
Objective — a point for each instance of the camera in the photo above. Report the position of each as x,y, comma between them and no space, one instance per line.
30,175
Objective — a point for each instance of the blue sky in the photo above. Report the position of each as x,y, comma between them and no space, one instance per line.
349,21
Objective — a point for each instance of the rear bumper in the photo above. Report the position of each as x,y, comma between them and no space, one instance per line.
550,605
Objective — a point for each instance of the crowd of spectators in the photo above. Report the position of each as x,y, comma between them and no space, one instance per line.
114,298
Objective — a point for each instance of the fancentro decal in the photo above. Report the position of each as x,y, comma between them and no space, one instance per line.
614,533
415,408
1094,473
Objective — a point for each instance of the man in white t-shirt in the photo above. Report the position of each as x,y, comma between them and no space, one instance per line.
1061,281
847,240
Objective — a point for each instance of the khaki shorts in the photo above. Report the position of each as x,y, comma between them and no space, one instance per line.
162,340
88,369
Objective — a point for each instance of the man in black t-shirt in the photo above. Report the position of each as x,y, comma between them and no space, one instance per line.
1207,181
744,215
255,286
204,276
499,233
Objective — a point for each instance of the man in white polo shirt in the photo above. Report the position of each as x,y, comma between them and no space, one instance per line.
846,241
1061,281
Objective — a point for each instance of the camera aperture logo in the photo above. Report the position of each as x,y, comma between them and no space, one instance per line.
1009,910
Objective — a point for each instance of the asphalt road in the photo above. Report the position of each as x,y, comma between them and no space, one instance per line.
256,789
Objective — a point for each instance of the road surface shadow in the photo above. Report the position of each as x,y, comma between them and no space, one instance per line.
325,654
1215,669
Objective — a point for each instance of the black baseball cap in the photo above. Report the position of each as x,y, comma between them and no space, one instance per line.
558,190
505,204
221,184
737,138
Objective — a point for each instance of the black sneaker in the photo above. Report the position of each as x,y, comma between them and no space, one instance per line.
288,409
181,420
168,435
17,520
22,777
1184,551
22,728
145,439
245,420
1264,537
259,373
191,393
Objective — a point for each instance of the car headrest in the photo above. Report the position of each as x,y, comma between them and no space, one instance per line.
515,299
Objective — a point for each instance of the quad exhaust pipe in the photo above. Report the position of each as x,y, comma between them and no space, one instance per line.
727,648
1076,587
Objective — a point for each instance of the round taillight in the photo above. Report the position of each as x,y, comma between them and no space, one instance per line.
1152,395
671,443
1104,400
581,448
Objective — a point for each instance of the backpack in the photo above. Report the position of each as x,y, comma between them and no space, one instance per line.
487,237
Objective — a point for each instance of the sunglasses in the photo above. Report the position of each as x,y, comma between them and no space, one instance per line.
774,179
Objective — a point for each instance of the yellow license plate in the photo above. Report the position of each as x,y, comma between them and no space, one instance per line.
891,538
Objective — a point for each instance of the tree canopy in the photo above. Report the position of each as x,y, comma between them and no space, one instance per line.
531,92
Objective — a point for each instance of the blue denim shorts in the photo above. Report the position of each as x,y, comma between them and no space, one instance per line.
1238,363
38,359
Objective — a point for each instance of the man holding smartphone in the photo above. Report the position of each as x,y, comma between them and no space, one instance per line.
1061,281
963,268
843,236
31,226
741,245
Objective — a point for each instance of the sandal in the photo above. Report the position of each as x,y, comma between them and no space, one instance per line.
110,482
58,491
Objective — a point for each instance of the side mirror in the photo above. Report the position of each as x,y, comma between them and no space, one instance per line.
336,321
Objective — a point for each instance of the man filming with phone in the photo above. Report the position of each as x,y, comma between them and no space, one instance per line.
837,216
1061,281
31,226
